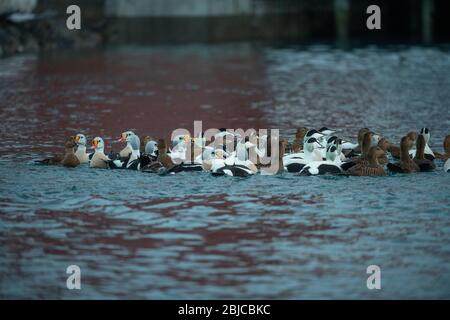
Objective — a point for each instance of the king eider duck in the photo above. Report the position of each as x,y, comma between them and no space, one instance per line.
125,137
80,152
132,162
330,166
99,159
429,154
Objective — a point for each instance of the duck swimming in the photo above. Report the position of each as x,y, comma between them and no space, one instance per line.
295,162
80,152
331,165
356,150
406,164
124,137
297,144
370,167
429,154
423,163
99,159
70,159
366,143
132,162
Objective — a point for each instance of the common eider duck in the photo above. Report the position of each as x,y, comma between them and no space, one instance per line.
406,164
371,167
423,163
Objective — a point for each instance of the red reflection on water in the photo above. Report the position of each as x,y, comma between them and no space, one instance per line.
105,93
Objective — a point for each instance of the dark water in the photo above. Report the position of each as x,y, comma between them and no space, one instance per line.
137,235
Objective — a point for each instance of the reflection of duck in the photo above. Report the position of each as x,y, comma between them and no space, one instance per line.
371,167
423,163
406,164
99,159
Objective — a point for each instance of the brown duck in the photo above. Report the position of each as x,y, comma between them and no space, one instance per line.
406,164
297,144
446,154
423,163
70,159
371,167
58,159
163,157
365,147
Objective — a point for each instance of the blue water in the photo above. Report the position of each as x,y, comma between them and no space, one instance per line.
195,236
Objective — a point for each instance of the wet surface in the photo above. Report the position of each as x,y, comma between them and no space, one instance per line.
138,235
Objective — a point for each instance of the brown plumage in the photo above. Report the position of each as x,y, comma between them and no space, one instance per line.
446,155
70,159
406,164
358,150
423,163
163,157
282,147
371,167
297,144
385,146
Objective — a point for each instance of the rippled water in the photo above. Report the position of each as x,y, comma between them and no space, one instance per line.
191,235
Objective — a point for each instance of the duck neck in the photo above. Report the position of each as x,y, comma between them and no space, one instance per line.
404,154
420,152
100,150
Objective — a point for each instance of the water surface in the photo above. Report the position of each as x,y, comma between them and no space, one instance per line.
138,235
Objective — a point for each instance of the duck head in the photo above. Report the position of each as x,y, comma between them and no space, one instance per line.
361,134
80,139
311,144
301,132
331,140
375,152
412,135
313,133
125,136
331,153
326,131
426,134
151,147
181,140
98,144
384,144
70,143
135,142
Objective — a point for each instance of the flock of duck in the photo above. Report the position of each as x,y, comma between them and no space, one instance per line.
312,152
